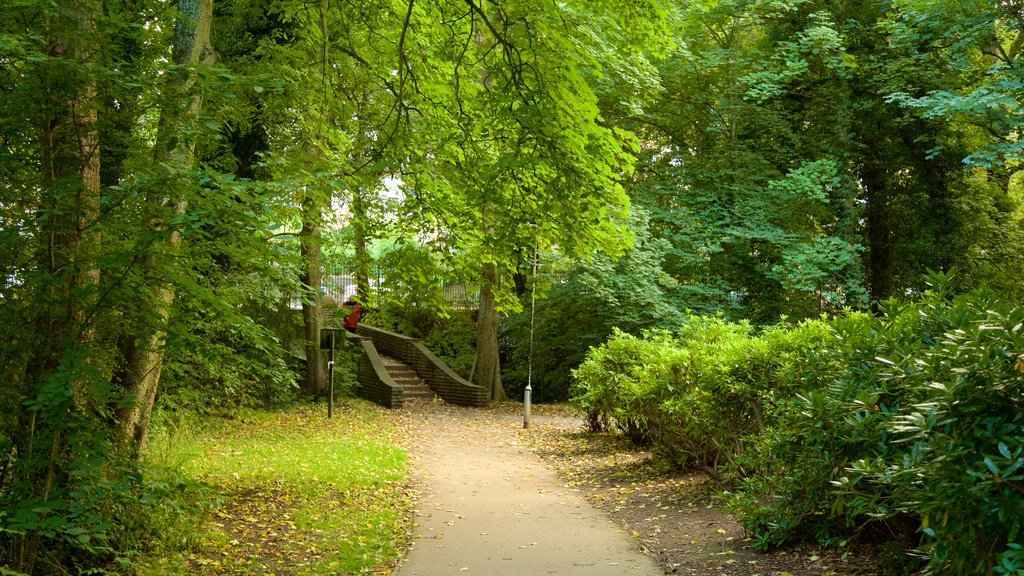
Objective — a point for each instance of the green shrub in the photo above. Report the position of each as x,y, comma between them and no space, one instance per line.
907,427
796,460
911,427
700,396
226,350
734,379
621,382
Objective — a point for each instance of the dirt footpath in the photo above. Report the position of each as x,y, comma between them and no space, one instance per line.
490,506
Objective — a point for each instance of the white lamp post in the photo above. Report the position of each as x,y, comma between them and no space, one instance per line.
529,365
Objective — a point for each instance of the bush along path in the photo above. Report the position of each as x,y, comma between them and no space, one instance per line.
900,430
496,499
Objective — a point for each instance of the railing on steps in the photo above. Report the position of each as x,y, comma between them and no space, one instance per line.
373,382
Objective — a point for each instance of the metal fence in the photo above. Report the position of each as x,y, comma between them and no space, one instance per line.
340,285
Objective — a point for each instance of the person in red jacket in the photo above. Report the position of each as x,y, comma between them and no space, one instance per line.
351,321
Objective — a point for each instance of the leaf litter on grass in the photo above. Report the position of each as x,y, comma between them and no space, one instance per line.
300,494
271,521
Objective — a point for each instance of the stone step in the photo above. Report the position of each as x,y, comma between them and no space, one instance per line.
421,391
404,375
413,388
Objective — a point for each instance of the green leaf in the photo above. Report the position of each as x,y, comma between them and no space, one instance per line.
991,466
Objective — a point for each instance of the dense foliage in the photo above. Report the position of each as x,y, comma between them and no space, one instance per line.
903,427
802,157
908,425
579,306
173,176
698,396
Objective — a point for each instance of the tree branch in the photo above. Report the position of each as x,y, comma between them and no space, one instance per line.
281,234
403,62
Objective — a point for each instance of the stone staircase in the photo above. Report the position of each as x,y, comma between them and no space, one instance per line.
412,386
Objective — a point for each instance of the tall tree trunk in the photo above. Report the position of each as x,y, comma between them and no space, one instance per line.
879,232
71,190
174,148
68,241
360,232
488,363
86,144
312,306
310,241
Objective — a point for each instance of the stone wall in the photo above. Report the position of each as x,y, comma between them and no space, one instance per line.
451,387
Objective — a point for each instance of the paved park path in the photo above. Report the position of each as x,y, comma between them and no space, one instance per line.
491,507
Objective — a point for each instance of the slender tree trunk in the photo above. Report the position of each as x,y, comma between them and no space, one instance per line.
359,230
70,184
312,306
86,145
488,362
313,202
175,149
71,190
879,233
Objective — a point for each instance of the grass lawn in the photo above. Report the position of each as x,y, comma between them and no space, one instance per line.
293,493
